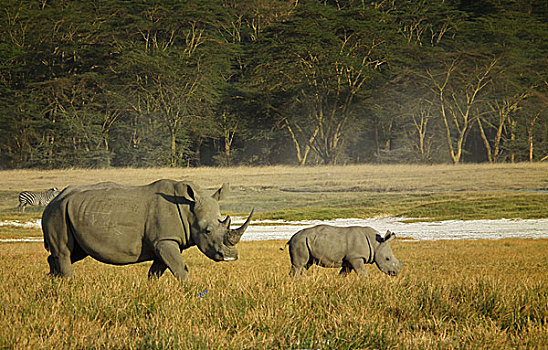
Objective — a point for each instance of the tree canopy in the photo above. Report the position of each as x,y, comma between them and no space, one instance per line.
187,83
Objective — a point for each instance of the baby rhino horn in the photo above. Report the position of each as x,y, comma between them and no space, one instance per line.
233,236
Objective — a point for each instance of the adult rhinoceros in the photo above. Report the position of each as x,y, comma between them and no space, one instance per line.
349,248
122,225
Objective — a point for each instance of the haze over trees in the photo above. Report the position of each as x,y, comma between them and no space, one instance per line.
179,83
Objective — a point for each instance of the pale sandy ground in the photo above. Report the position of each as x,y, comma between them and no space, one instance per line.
450,229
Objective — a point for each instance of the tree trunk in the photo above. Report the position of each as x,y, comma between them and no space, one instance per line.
173,157
530,138
530,143
421,127
301,151
228,138
512,139
485,140
377,145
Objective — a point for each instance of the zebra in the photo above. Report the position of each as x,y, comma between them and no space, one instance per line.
36,198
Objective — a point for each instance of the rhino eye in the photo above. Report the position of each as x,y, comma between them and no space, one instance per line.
387,259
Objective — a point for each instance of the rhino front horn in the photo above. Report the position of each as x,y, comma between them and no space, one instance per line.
235,235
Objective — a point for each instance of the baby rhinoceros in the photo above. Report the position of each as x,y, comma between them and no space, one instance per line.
349,248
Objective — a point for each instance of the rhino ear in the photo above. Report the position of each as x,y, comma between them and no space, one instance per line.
186,190
221,192
389,236
226,222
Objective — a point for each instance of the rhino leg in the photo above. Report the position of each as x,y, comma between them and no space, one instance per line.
157,269
297,271
170,253
358,265
63,254
346,269
300,258
60,265
77,254
52,266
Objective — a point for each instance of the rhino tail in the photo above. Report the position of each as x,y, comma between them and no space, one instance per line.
285,245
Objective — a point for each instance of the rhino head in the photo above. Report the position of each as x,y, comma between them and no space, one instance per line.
384,257
212,234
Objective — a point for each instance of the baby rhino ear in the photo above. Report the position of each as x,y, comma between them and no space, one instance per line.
221,192
389,236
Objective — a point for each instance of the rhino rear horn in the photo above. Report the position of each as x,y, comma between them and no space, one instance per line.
235,234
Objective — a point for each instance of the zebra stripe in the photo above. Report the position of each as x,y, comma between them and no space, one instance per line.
36,198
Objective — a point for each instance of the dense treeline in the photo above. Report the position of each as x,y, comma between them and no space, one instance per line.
155,83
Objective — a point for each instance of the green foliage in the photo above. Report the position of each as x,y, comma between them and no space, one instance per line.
176,83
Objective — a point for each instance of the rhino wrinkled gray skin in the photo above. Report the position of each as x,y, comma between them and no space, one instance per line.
349,248
122,225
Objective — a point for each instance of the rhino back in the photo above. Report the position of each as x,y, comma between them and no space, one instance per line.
327,245
332,245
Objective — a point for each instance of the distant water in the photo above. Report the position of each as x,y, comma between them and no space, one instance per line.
449,229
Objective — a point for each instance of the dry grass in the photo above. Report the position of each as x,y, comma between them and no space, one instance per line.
451,294
470,191
370,178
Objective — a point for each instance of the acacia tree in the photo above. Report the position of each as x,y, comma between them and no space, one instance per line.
518,41
61,59
324,63
501,111
457,94
173,72
157,82
422,116
533,118
424,22
169,96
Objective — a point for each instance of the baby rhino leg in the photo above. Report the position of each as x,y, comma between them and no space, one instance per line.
346,269
300,258
358,265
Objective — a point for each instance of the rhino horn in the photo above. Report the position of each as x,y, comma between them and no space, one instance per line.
235,234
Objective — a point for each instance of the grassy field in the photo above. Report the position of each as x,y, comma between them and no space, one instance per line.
449,295
435,192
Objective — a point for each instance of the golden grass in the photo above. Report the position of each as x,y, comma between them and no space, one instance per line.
450,294
19,232
485,177
329,191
